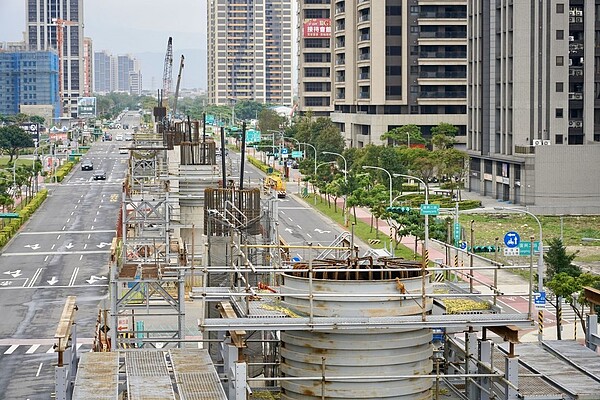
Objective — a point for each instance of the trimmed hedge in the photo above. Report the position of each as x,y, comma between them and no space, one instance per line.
64,169
9,230
263,167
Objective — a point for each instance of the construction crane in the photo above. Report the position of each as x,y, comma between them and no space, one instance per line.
176,96
60,24
168,74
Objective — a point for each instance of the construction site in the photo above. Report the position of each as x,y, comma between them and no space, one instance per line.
343,323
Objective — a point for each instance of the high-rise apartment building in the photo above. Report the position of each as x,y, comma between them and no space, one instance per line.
250,51
397,62
116,74
88,67
29,78
534,103
125,65
314,61
102,72
43,19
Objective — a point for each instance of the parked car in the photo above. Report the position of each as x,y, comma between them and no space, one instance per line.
119,136
99,175
87,165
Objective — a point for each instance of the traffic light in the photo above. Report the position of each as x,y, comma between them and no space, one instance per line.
398,210
485,249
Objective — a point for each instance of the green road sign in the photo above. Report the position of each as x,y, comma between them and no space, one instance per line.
456,232
297,154
430,209
9,215
525,248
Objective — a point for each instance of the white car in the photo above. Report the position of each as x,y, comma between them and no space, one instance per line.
119,136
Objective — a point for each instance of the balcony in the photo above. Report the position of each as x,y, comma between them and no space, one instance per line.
443,95
575,96
444,15
364,75
364,57
364,95
364,18
443,54
443,35
364,37
443,74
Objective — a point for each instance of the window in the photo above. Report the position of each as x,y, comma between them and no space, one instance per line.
560,34
559,113
560,8
558,139
560,87
560,61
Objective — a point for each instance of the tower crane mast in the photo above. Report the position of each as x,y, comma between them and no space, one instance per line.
168,73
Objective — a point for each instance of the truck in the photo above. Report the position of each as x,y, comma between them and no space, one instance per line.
277,184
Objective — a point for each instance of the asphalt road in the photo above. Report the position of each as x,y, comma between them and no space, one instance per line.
299,224
62,251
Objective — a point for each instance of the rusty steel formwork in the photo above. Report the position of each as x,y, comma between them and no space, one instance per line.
384,356
230,208
198,153
182,132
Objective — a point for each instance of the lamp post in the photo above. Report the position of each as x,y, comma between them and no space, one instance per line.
315,150
426,202
345,180
540,263
384,170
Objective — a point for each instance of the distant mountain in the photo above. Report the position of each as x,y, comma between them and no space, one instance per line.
194,71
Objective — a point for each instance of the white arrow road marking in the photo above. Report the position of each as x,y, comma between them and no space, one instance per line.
70,246
14,274
33,246
102,245
52,281
321,231
94,278
288,230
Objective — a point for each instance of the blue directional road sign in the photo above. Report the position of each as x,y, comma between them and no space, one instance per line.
463,244
284,151
539,299
512,239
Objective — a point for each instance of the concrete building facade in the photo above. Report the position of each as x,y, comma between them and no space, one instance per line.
29,78
534,103
314,57
398,62
42,19
88,67
249,51
102,72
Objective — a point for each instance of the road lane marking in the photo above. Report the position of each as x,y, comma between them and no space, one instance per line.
11,349
74,276
44,253
32,349
35,277
61,232
291,220
299,227
53,246
39,369
309,235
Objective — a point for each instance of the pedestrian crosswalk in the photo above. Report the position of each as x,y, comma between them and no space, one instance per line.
37,348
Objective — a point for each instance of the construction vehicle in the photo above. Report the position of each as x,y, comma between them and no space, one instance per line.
277,184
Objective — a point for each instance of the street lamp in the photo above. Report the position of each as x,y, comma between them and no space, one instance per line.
315,150
384,170
540,264
426,202
345,180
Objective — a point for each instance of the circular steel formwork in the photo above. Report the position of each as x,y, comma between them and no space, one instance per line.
377,354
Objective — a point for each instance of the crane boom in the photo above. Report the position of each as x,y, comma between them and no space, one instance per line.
177,86
168,73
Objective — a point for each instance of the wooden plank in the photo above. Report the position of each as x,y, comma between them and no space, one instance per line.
63,330
227,312
592,295
509,333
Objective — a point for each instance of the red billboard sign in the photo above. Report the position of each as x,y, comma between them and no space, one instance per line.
317,28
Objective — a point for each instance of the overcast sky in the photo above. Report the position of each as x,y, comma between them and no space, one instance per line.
126,26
